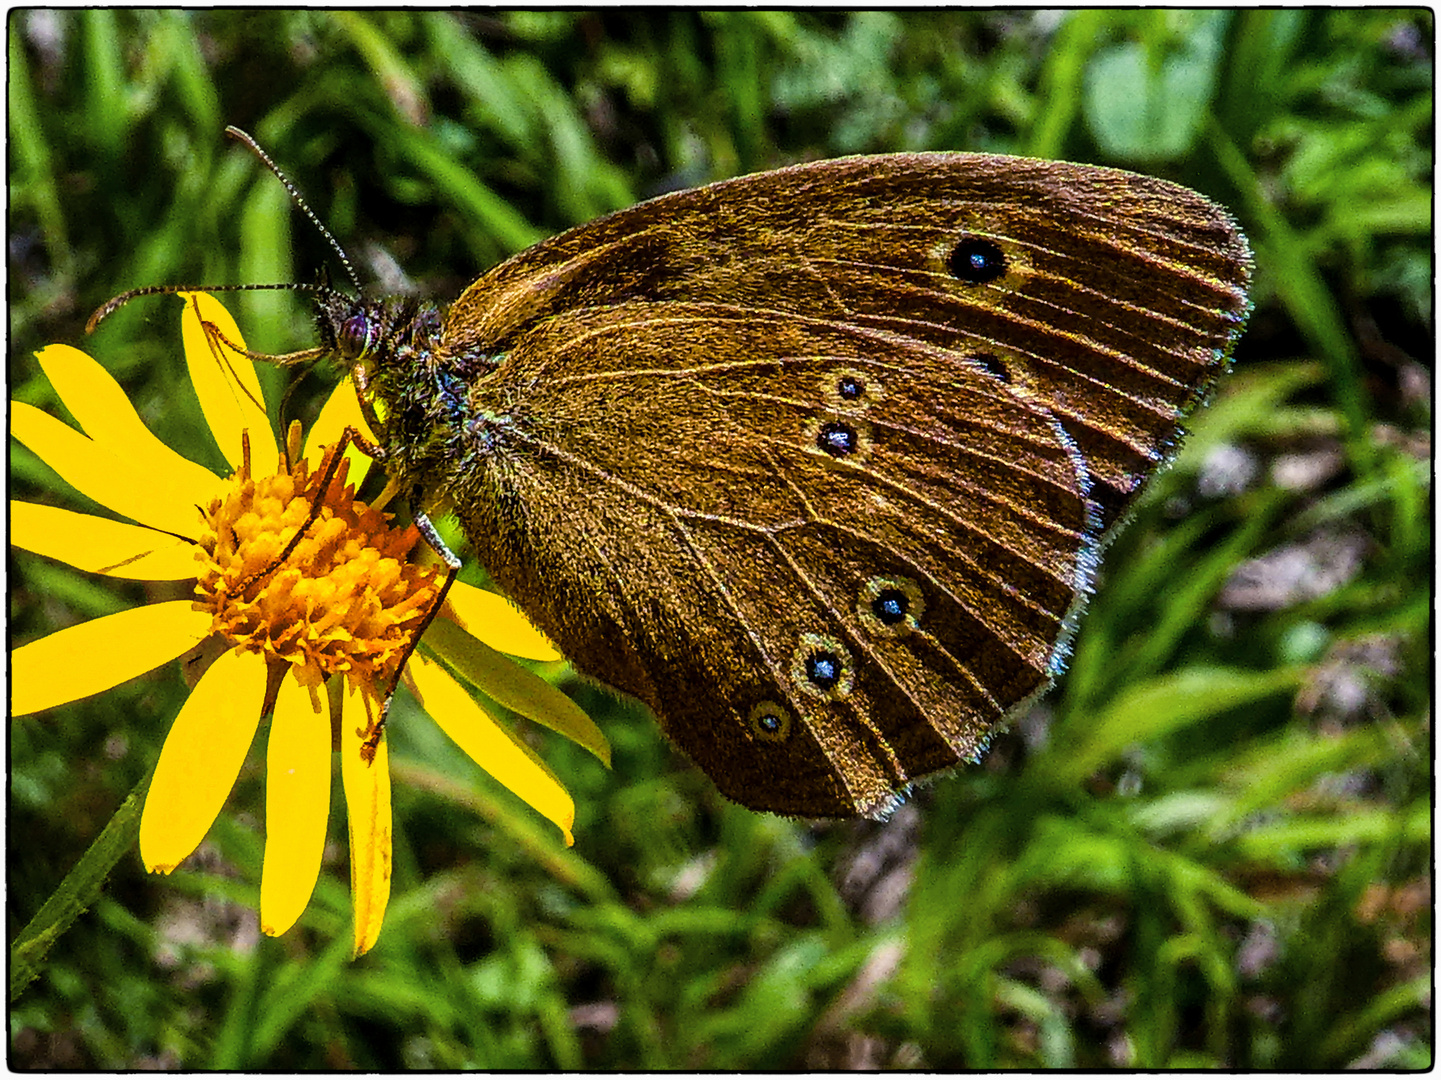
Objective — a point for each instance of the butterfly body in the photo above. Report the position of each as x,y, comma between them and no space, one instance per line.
817,463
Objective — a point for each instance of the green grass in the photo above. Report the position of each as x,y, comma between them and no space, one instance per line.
1209,846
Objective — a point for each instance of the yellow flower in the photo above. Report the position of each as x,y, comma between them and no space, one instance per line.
343,602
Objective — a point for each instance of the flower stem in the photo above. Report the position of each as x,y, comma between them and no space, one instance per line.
78,891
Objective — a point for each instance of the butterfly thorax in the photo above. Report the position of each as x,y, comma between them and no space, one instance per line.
417,393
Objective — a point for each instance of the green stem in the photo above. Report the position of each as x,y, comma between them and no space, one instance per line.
78,891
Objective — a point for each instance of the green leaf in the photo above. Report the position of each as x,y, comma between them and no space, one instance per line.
513,686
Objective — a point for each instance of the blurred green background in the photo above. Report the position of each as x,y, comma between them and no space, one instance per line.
1209,846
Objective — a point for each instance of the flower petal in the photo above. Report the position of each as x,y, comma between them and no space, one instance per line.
297,804
103,411
158,501
226,384
494,748
340,411
201,758
514,687
90,657
497,622
367,806
99,545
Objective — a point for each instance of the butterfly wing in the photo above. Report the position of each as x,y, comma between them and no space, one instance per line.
1110,299
831,558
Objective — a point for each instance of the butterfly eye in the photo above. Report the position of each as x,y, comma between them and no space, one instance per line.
976,261
354,337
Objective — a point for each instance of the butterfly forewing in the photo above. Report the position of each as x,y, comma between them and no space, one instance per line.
1114,303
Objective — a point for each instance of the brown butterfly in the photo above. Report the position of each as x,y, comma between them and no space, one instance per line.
817,463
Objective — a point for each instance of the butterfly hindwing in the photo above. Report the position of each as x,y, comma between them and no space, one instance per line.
830,558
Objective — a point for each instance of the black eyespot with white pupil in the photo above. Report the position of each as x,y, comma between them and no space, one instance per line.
850,388
770,722
837,438
890,606
976,261
823,669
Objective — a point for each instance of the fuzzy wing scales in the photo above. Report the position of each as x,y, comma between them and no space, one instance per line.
830,558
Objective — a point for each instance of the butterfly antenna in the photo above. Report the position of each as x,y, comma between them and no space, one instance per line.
323,288
109,307
241,136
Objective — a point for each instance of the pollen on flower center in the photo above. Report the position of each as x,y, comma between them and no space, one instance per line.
344,601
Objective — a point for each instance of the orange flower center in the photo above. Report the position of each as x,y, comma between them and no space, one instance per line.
343,600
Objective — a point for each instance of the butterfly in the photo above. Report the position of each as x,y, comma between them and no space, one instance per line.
817,463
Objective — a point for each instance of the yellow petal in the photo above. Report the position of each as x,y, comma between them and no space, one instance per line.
101,408
201,758
297,804
226,385
497,622
99,545
514,687
85,659
340,411
160,501
367,807
494,748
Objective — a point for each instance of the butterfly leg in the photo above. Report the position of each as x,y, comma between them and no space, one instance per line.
432,537
372,733
215,337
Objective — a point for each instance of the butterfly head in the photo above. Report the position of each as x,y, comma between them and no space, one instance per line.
381,341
